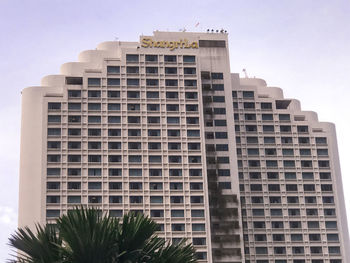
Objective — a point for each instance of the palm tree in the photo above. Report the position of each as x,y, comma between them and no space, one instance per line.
83,236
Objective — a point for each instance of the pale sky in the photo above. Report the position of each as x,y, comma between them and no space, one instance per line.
302,46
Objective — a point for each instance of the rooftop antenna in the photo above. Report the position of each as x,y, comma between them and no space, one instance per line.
245,73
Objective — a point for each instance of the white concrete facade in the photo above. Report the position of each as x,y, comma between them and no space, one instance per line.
155,127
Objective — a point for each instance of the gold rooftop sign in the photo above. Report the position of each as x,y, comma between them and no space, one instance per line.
183,43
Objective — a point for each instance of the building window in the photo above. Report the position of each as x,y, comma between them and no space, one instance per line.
151,58
132,58
51,213
170,58
114,199
177,213
135,186
152,107
151,70
115,186
114,158
248,94
132,70
295,224
175,172
332,237
176,199
152,82
191,95
135,172
134,132
156,199
94,145
94,172
113,94
134,119
197,213
304,140
52,199
74,185
331,225
334,250
171,82
321,140
94,158
115,172
258,212
275,200
54,119
323,164
189,71
170,71
157,213
152,95
259,224
94,186
92,106
94,119
153,133
172,95
310,200
94,81
217,75
53,158
178,227
54,106
155,159
113,69
279,250
194,159
74,171
274,187
268,151
74,93
292,199
133,94
95,199
113,82
94,94
189,59
93,132
296,237
133,82
176,186
136,199
74,199
135,158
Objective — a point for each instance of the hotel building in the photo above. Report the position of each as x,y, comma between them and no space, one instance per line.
162,127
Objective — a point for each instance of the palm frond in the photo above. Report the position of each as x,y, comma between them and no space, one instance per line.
43,247
84,236
179,253
134,234
87,236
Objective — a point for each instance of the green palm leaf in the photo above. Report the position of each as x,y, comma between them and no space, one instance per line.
42,247
87,236
83,236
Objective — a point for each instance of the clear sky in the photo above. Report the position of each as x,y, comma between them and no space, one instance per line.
302,46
